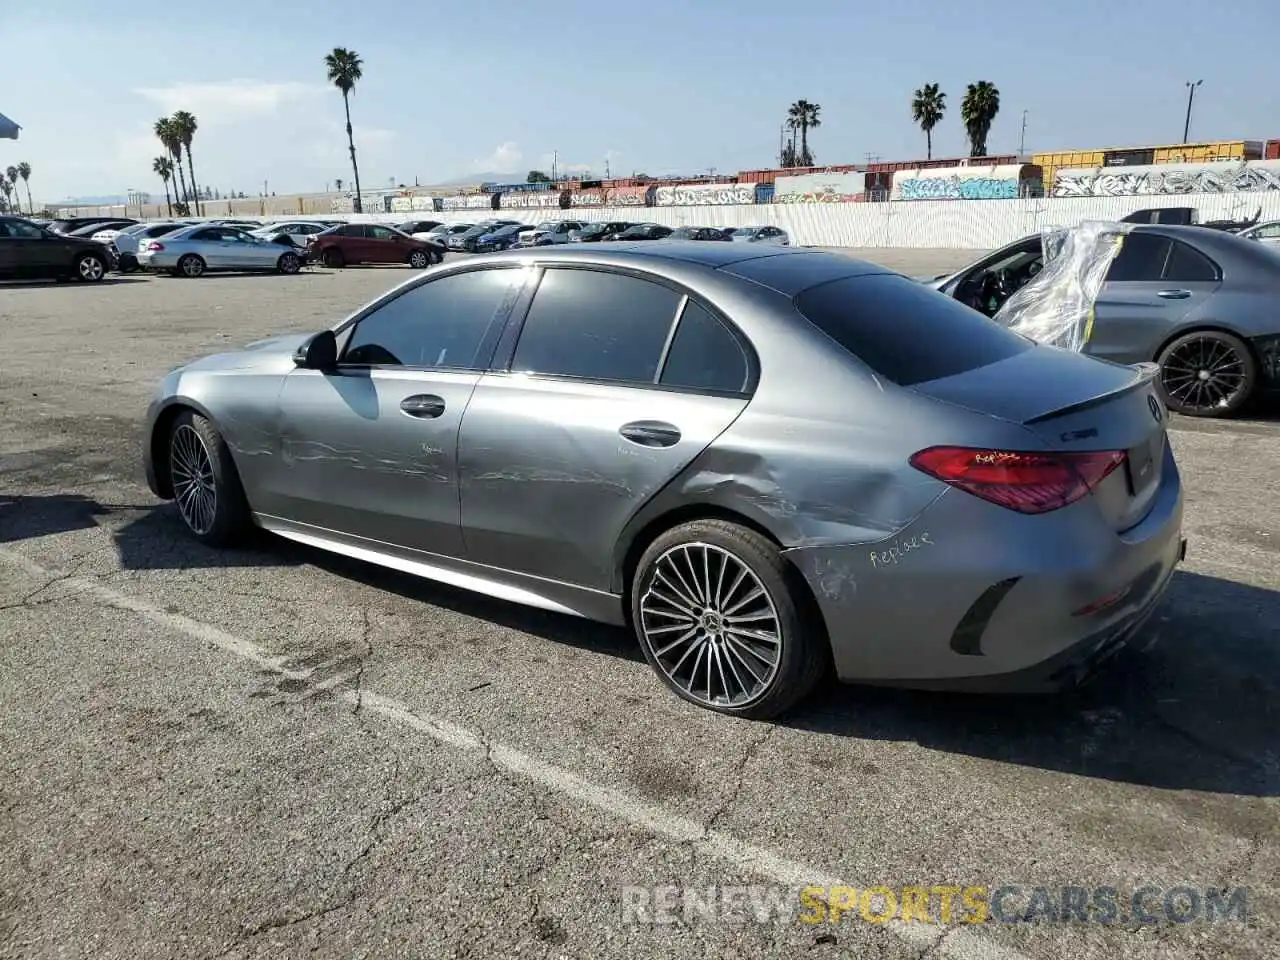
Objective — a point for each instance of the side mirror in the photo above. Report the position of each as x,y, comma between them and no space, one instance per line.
319,352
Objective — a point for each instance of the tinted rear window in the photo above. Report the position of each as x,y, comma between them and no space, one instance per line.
905,331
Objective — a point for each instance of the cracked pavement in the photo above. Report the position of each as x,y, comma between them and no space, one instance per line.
273,752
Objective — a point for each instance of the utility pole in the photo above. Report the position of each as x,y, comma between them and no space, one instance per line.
1022,141
607,176
555,159
1191,96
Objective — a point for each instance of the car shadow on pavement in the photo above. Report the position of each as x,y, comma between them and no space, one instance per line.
1200,710
34,284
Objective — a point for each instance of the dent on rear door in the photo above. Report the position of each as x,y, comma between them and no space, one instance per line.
549,483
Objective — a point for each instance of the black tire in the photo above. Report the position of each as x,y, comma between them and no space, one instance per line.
231,519
288,263
191,266
1207,373
804,655
419,259
438,256
332,257
91,268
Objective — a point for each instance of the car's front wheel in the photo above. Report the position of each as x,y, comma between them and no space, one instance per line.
722,621
91,268
419,259
333,258
288,263
206,487
1207,373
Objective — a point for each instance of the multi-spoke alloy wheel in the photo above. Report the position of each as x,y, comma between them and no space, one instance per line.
1206,373
194,487
711,624
91,268
725,621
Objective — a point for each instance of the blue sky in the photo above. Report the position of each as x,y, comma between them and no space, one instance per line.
659,86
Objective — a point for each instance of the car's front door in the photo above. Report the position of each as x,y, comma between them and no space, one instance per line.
1153,283
599,407
383,245
368,449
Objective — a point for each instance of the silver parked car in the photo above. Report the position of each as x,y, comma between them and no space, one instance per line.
618,432
1267,233
192,251
546,234
1199,302
769,236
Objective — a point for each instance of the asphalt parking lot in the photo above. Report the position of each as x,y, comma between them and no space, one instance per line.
275,752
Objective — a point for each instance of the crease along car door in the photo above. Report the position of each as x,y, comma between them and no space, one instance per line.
558,451
369,449
1153,283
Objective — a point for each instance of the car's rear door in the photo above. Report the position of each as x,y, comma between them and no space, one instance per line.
598,405
368,449
1153,283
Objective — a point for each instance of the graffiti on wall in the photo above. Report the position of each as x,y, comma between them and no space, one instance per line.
1244,178
527,201
630,196
961,188
475,201
705,194
819,188
588,198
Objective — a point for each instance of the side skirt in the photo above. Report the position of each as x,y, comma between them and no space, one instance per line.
494,582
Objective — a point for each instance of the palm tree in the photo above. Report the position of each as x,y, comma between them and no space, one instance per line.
184,127
345,68
6,188
24,171
12,173
168,135
804,115
928,104
978,110
163,167
337,184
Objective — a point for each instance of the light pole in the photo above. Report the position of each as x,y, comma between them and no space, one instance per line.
1191,96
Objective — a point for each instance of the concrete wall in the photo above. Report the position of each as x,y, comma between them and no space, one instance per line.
972,224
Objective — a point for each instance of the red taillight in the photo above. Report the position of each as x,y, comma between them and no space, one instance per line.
155,246
1022,481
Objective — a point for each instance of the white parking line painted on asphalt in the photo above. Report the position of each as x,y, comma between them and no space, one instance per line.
959,943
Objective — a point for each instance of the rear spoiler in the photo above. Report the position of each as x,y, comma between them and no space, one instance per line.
1146,371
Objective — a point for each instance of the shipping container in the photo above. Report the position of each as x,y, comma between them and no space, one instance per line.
1221,150
1273,150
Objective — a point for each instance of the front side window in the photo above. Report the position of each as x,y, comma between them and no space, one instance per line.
440,324
597,326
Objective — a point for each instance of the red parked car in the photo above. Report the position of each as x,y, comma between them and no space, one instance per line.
371,243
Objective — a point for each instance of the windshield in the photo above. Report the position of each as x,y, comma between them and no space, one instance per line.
591,229
745,231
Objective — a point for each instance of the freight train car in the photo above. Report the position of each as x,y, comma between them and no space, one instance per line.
533,200
879,175
1216,151
1164,179
471,201
1007,181
712,194
826,187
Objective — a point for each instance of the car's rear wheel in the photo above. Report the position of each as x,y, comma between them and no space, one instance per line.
206,487
333,257
722,621
1207,373
90,267
191,265
419,259
288,263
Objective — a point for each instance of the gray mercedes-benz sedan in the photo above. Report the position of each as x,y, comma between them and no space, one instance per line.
768,463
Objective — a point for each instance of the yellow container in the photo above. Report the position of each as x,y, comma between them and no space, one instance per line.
1051,161
1210,152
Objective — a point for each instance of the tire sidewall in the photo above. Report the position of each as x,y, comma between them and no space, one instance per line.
1239,347
419,257
288,263
189,258
791,682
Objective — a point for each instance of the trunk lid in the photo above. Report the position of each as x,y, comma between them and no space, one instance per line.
1075,403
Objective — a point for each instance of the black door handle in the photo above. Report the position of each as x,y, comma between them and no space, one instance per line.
651,433
1173,294
425,406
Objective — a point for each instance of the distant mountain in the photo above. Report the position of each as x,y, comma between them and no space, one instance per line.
481,178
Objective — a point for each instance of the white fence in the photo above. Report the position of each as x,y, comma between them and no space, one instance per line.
950,224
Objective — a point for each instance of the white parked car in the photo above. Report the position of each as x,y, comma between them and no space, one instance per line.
769,236
1268,233
545,234
299,231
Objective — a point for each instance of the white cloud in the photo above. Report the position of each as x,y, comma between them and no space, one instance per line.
504,159
230,100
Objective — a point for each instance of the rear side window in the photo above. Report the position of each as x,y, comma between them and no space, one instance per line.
596,325
1141,258
905,331
704,355
1189,265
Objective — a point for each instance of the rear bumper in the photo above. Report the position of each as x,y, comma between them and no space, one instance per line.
974,597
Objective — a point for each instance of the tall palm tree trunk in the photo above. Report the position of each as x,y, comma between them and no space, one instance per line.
195,191
928,139
351,145
804,143
182,182
167,202
31,207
